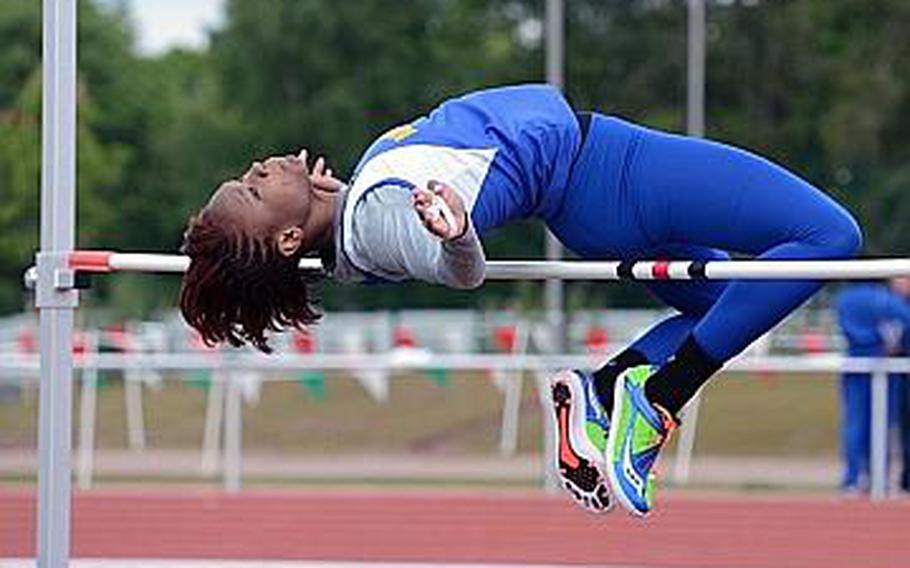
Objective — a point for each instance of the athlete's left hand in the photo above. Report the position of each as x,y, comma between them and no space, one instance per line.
432,213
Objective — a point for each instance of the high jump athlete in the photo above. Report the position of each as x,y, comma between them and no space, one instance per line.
607,188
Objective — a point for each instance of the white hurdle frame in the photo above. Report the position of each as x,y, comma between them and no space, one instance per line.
541,365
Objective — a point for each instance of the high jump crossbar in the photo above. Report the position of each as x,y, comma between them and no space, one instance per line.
101,262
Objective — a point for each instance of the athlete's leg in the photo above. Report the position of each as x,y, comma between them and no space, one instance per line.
692,299
714,195
656,345
695,192
704,193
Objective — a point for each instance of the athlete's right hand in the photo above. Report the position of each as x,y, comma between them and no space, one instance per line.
321,176
431,205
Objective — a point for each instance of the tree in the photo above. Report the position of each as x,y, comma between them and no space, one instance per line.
823,88
101,157
819,86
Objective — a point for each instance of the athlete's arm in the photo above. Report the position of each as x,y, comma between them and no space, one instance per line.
398,239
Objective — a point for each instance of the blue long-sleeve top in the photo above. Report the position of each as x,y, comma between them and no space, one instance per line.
507,152
863,310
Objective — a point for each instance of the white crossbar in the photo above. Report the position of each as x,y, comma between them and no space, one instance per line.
864,269
576,270
867,269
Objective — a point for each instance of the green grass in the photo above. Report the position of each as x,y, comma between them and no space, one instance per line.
779,415
740,415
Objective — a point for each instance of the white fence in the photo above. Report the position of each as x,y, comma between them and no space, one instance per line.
227,392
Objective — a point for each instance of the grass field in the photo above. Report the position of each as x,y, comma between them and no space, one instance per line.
741,415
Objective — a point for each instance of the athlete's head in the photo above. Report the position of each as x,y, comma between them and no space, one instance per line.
244,247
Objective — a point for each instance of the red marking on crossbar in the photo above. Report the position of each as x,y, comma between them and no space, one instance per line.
661,270
91,260
685,531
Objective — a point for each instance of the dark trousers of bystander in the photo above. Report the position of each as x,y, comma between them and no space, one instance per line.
905,431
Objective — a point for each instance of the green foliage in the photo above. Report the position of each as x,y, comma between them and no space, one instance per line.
822,87
101,158
333,75
628,58
19,176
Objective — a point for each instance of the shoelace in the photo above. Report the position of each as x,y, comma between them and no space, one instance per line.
670,424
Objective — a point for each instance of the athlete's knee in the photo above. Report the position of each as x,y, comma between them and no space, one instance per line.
841,235
848,239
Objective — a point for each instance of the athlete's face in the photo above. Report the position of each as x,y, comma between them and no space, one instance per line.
275,196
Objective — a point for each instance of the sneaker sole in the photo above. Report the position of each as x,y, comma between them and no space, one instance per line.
611,447
581,475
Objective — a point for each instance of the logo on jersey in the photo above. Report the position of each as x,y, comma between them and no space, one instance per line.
399,133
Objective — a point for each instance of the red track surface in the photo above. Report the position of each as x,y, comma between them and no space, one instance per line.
710,531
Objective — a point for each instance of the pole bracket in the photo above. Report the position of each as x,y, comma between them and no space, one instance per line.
56,282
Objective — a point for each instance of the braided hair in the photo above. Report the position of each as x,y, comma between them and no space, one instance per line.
240,286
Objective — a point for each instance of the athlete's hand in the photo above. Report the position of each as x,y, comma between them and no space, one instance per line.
321,176
431,204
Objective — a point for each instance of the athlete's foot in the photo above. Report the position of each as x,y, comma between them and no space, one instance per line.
581,435
639,431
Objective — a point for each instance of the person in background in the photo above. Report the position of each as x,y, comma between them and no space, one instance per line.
871,317
904,386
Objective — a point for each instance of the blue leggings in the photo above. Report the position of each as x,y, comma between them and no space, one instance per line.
856,420
636,193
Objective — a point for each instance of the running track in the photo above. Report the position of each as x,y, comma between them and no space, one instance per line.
472,527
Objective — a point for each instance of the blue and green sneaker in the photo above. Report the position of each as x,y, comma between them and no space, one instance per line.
581,439
639,431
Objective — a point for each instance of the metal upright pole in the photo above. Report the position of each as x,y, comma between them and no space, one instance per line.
555,65
878,444
55,297
555,42
88,412
233,435
695,100
553,291
695,126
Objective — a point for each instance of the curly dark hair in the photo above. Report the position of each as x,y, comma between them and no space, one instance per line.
238,287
